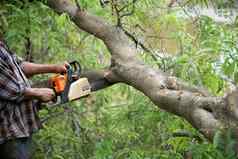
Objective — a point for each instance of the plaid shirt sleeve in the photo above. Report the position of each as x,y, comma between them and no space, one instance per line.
18,59
10,87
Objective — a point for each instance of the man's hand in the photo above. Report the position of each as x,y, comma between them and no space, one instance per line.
43,94
46,94
61,68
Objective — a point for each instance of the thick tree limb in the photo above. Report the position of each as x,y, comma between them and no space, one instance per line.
205,112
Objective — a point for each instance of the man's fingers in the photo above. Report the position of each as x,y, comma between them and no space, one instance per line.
66,64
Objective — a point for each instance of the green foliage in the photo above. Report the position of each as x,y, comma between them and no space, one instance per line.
119,122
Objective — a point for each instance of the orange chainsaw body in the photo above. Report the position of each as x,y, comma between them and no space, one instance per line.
69,86
58,82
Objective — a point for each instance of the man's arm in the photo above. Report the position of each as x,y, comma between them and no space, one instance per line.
42,94
31,69
14,90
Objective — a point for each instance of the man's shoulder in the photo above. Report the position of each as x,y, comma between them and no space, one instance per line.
2,44
4,52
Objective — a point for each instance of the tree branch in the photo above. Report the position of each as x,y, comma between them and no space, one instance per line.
98,80
202,110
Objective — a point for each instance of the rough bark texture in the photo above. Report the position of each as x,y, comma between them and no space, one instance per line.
204,111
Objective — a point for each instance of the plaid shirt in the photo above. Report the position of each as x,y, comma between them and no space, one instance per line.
18,117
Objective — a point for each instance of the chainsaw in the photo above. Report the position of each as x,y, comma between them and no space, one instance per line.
69,86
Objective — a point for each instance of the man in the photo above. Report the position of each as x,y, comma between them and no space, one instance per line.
18,113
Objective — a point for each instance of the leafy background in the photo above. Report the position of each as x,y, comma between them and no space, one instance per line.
119,122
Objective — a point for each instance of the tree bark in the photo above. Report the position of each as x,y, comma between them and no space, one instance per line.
204,111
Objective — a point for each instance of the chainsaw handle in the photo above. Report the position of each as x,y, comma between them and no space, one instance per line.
76,68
